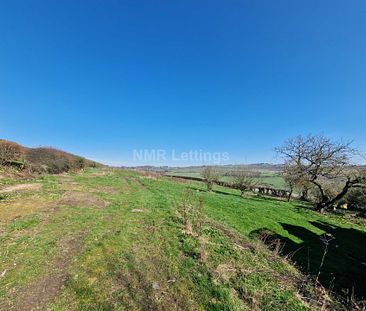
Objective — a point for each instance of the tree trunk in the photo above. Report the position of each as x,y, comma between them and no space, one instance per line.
304,195
289,195
324,205
321,207
209,186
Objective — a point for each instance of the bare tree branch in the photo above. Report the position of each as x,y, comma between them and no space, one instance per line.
319,161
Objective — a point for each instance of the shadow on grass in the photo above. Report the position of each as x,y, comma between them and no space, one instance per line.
298,205
220,192
249,195
227,193
344,269
197,189
213,191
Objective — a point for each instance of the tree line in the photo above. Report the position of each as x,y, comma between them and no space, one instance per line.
320,169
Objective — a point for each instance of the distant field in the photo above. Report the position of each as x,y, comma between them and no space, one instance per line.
269,178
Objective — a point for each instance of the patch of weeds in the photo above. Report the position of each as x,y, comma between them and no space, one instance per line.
50,185
23,239
189,212
190,246
8,181
214,295
22,224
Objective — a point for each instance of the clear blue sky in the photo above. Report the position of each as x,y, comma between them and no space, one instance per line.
102,78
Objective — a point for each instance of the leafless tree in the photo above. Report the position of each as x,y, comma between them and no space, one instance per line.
210,175
245,180
291,179
295,180
322,162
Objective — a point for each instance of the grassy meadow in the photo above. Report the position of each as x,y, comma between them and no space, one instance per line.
109,239
273,179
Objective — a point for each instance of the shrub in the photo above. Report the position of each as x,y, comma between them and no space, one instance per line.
210,175
356,199
245,180
9,152
189,211
40,160
80,163
49,160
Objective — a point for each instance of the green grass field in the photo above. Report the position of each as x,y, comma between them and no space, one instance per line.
115,240
268,178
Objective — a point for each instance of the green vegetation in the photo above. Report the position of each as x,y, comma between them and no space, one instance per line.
16,160
273,179
117,240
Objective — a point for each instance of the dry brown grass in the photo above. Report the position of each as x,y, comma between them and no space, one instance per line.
150,175
24,206
21,187
107,189
82,199
225,271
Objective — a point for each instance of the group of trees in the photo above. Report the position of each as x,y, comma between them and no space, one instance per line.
243,180
321,169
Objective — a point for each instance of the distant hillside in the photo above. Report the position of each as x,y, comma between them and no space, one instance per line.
270,174
17,158
263,167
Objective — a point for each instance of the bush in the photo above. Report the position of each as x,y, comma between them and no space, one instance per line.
210,175
356,199
49,160
40,160
80,163
245,180
9,152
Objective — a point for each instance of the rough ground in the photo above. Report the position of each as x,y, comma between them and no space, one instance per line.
45,289
118,240
21,187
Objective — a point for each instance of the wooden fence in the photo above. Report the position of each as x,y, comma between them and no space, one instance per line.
260,189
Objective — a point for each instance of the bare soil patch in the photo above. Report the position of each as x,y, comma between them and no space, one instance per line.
150,175
100,173
21,187
43,291
9,210
138,210
108,189
83,199
147,287
69,185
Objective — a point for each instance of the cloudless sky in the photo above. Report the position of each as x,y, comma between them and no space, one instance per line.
102,78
